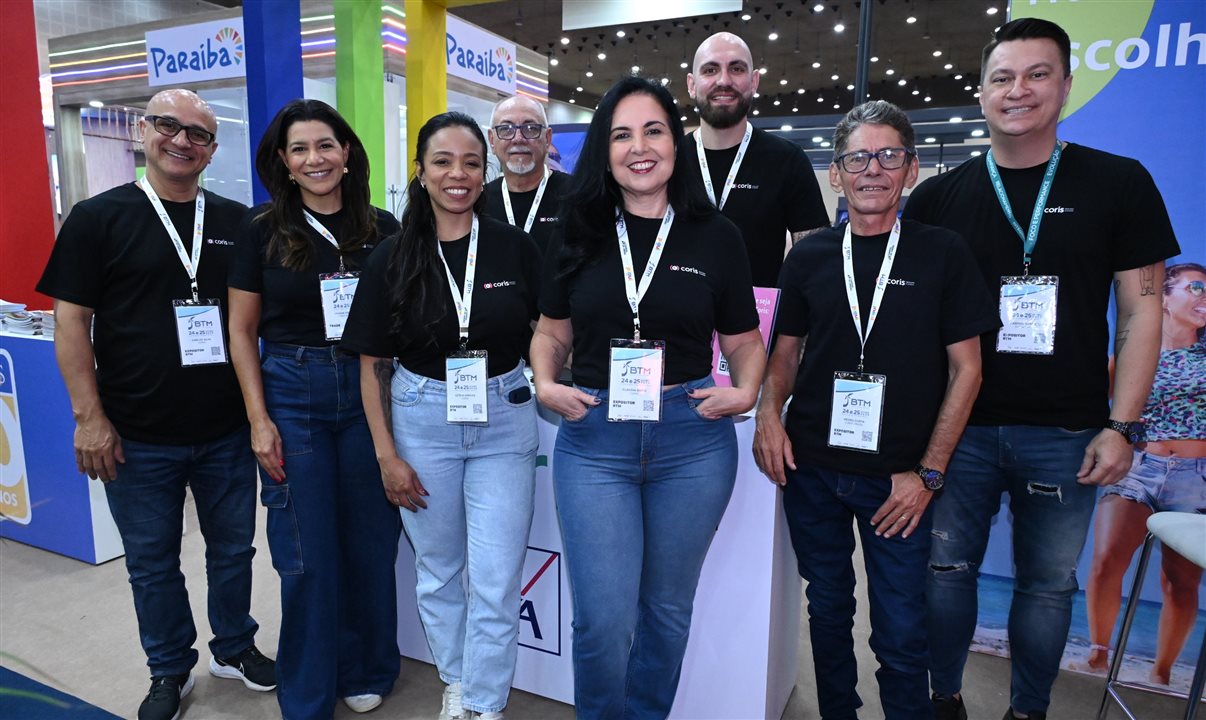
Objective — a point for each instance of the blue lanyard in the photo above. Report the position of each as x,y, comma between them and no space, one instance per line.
1030,237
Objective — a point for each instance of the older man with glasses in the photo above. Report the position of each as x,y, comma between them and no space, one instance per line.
138,274
892,314
528,193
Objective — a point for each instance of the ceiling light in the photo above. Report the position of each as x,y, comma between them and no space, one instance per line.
773,36
578,89
795,109
927,98
910,19
976,95
665,81
783,81
956,119
818,8
554,62
916,91
889,71
636,69
825,144
757,95
839,28
602,56
683,118
756,112
820,99
975,153
874,58
590,73
565,41
967,87
777,102
817,138
571,101
761,71
800,91
930,139
95,104
816,64
902,82
684,65
619,33
833,76
977,133
959,76
850,86
746,17
992,10
937,53
947,66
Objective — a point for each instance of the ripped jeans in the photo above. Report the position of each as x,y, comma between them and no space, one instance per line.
1051,513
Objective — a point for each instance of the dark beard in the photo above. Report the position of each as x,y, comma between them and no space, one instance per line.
724,118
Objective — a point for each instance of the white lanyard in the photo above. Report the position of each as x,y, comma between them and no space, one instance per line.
527,225
318,228
881,282
190,265
728,183
631,289
463,298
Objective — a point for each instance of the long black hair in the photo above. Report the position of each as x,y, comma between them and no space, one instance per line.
589,205
417,282
290,239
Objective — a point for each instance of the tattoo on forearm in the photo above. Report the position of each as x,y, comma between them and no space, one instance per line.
1147,281
384,371
1120,340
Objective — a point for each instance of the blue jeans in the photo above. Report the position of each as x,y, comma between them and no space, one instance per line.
1164,484
481,484
147,502
1037,466
820,506
638,504
332,534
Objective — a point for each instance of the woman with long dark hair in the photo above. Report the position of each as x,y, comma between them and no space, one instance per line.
442,322
636,282
1168,473
332,532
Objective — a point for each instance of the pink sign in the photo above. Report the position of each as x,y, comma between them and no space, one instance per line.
767,301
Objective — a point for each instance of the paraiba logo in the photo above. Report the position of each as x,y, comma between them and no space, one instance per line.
478,56
1108,37
493,63
225,49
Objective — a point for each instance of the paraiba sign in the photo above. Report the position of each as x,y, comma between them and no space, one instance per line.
195,53
480,57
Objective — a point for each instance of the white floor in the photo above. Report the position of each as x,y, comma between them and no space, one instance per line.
72,626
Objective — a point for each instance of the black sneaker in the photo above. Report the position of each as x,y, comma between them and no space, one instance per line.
1032,715
163,700
256,671
948,707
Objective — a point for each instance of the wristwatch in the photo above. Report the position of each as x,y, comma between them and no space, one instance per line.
931,478
1132,430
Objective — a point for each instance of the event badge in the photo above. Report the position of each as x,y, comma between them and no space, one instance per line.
337,291
199,330
634,388
1028,305
466,375
858,411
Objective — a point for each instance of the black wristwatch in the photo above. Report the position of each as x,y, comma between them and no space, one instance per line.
931,478
1132,430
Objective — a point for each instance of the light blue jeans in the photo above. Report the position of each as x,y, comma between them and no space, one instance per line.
1164,484
471,540
638,503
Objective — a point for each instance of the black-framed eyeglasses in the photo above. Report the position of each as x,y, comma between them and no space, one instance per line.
889,159
1197,288
506,131
171,127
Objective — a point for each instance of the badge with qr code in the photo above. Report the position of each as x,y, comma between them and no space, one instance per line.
467,375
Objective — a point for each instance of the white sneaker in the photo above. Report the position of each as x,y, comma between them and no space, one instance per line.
451,708
362,703
491,716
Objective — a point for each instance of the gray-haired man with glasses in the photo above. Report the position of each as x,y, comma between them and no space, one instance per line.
528,193
892,312
138,274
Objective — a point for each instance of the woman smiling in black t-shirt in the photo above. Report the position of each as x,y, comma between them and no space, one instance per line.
330,529
442,320
647,456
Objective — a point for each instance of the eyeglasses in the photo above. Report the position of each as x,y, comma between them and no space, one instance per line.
1197,288
506,131
889,159
171,127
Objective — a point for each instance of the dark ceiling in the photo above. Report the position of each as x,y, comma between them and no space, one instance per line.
957,29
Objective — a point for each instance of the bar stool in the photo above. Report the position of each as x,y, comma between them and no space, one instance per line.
1184,533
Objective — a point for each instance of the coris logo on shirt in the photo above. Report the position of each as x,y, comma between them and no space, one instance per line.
686,269
744,186
499,284
219,241
899,281
1058,210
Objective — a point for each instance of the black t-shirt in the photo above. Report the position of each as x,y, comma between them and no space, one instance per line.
521,205
291,309
504,305
702,284
775,192
934,298
1104,215
114,256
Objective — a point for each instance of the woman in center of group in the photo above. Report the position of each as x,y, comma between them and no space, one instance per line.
642,273
442,321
